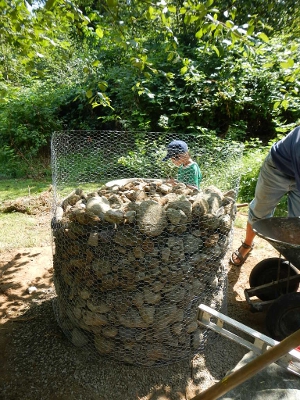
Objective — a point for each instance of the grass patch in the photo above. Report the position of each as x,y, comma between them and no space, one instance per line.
22,230
11,189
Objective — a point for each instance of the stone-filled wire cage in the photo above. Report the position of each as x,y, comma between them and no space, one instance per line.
135,255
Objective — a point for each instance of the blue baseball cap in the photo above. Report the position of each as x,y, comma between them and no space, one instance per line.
174,148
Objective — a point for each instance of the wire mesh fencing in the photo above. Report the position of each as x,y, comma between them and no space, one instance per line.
135,253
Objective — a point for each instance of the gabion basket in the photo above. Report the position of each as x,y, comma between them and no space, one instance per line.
135,255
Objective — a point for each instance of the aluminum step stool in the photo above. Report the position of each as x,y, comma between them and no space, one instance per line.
291,361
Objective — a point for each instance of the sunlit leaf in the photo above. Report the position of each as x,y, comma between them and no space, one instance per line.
268,65
216,50
229,24
102,85
99,32
287,64
263,37
172,9
285,104
250,30
199,34
276,105
183,70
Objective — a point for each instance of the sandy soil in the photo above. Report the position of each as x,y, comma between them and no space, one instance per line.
29,337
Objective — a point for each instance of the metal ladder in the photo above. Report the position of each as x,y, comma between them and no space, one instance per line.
261,343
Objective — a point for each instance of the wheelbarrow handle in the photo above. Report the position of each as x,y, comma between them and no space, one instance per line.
247,371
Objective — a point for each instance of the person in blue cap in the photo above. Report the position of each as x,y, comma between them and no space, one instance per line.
189,171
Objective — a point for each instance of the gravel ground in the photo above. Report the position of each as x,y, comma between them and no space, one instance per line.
42,364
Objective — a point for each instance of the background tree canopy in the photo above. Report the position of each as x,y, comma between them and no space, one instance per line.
220,69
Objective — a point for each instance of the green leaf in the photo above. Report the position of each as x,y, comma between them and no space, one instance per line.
268,65
102,85
287,64
151,12
183,70
99,32
285,104
216,50
112,3
50,4
199,34
172,9
193,19
250,30
229,24
276,105
263,37
89,94
170,56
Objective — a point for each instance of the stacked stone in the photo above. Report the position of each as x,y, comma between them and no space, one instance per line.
132,263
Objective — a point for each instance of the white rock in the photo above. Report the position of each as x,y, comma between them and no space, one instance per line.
32,289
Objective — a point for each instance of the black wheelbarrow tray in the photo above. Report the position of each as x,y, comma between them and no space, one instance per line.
275,281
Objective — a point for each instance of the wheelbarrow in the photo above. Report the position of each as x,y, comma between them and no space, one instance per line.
275,281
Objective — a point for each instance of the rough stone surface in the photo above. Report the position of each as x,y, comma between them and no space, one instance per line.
132,263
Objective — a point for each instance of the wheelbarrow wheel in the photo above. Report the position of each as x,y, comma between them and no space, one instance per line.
283,316
266,271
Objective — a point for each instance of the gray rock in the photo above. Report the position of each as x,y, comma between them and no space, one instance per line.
151,218
101,307
129,216
103,345
175,216
192,244
94,319
200,206
93,239
151,297
109,331
114,216
182,204
127,237
98,205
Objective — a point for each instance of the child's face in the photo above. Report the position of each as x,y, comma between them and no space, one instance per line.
177,160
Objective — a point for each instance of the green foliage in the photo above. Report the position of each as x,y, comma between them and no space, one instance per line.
26,125
223,69
253,158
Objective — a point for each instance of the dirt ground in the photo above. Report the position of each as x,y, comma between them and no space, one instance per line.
26,283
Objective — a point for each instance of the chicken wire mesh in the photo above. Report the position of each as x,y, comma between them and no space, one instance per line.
135,255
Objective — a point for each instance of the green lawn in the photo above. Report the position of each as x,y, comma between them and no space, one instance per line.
11,189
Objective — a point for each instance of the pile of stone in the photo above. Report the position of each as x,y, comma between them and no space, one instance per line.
132,263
